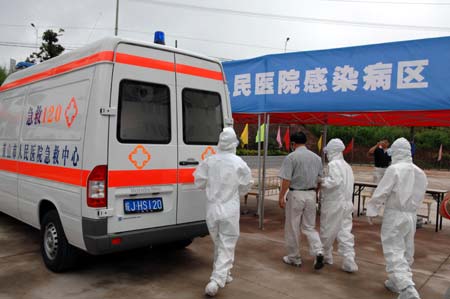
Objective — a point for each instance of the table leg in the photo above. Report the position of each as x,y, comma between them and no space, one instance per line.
353,197
359,198
437,198
441,200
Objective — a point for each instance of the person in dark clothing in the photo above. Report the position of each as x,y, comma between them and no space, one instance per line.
381,159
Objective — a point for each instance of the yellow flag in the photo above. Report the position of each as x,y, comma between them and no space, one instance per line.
244,136
319,143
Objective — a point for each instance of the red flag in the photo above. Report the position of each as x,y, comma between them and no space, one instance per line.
349,147
287,139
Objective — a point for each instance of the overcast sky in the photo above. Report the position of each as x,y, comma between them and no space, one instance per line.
231,29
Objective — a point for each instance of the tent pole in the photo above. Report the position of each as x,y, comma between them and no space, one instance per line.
412,141
259,166
324,141
266,147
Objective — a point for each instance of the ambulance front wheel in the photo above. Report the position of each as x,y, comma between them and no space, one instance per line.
56,251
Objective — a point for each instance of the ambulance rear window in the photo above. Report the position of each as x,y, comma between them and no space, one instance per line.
144,113
202,117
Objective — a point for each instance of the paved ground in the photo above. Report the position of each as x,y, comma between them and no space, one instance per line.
258,272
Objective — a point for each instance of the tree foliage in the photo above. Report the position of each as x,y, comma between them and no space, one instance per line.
49,47
432,138
424,137
3,74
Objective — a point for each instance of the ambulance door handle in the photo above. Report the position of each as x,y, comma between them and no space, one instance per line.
189,162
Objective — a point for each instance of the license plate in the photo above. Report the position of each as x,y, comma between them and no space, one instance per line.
143,205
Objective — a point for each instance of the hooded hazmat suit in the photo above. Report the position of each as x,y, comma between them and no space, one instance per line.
401,190
337,207
225,177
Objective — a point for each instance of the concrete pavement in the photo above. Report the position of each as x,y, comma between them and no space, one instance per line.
258,273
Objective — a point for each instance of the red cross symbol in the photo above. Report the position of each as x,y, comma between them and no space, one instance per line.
209,151
71,112
139,157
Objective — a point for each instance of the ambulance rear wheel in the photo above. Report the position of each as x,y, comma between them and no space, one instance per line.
57,253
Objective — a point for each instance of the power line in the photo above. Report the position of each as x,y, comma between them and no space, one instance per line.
12,25
25,45
94,27
206,40
28,43
17,46
69,48
59,26
391,2
169,35
300,19
278,17
74,46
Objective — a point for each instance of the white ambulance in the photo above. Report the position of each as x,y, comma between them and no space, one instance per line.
98,146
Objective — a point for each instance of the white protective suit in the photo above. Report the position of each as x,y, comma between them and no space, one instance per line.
337,207
225,177
401,190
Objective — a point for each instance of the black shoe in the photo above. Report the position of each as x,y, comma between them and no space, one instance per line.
318,264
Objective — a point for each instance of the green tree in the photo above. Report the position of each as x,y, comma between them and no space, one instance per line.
49,48
3,74
432,138
429,138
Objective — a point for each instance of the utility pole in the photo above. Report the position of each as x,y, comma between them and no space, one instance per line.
324,141
116,28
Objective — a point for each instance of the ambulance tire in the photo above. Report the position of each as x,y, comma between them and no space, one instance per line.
57,253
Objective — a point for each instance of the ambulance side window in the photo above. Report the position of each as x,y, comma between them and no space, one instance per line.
202,117
144,113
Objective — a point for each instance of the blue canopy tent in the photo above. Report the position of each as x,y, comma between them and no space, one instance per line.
392,84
